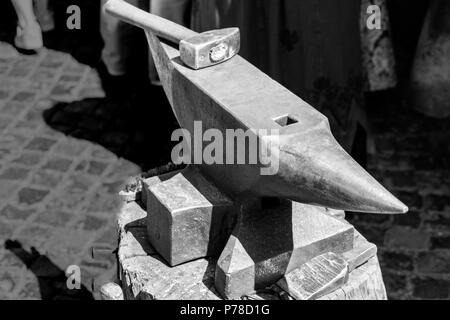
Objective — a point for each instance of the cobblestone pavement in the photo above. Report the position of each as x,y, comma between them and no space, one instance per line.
57,193
413,161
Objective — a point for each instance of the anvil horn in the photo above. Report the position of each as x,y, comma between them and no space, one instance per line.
313,168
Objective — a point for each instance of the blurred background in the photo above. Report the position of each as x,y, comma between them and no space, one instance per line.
82,110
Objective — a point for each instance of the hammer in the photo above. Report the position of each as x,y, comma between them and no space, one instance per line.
197,50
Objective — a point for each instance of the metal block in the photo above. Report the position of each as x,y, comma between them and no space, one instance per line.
188,217
269,243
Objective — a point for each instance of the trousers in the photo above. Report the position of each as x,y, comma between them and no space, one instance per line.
118,35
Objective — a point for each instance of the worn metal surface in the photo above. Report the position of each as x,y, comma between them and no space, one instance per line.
317,277
362,251
270,242
364,283
188,217
210,48
313,167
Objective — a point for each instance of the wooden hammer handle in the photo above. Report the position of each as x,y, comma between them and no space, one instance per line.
159,26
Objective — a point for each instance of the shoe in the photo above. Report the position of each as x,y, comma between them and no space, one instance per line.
156,83
29,38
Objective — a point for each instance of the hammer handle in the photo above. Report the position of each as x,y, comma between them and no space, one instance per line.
159,26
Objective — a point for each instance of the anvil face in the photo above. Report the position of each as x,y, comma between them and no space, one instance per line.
313,168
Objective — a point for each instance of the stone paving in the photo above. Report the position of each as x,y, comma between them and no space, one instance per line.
413,161
57,193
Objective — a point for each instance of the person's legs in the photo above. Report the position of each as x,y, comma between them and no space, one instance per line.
118,38
112,55
29,35
174,10
44,15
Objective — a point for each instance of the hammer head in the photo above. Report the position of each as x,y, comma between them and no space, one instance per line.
210,48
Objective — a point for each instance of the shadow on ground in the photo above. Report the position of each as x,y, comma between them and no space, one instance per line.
52,280
138,129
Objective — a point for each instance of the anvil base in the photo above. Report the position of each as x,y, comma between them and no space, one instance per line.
145,275
189,218
272,240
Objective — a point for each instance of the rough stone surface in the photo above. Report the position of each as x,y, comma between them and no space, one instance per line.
431,288
265,246
317,277
188,217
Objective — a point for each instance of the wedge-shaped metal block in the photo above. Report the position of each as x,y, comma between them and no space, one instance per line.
267,245
317,277
362,252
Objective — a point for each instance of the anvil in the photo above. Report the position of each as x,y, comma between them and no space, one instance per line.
313,167
278,221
